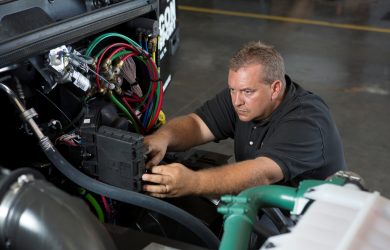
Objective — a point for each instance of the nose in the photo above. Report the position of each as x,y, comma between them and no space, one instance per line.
237,99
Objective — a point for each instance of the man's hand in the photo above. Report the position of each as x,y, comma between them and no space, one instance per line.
174,180
157,148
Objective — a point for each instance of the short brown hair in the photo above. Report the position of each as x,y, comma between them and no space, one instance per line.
260,53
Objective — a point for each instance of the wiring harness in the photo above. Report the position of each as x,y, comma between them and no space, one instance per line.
148,105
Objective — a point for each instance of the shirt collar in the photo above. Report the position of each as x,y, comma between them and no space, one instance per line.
290,88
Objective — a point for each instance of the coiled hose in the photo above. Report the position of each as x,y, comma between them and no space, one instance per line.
134,198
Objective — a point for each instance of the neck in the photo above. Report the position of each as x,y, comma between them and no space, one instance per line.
276,104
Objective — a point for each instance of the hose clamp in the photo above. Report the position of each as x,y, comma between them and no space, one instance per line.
28,114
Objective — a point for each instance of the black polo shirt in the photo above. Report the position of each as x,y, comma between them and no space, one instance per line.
300,135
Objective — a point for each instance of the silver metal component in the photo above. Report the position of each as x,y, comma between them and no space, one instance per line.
12,67
30,216
213,200
28,114
46,144
81,58
110,85
19,89
350,176
22,180
20,107
13,98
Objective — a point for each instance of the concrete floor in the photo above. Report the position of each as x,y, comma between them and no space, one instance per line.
348,68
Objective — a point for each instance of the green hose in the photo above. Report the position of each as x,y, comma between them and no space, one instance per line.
104,36
137,48
124,110
242,210
94,203
121,53
101,52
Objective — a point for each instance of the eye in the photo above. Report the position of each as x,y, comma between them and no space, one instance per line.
248,92
232,90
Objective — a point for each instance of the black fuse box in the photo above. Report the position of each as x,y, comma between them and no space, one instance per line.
115,156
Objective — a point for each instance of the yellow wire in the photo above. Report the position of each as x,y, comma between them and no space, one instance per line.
64,63
154,56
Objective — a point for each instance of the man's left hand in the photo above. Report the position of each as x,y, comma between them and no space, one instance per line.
174,180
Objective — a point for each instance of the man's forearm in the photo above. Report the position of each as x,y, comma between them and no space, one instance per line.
182,133
235,178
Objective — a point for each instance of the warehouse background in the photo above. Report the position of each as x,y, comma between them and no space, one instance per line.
339,50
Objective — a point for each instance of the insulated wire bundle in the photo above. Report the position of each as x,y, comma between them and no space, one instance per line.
153,97
128,70
71,139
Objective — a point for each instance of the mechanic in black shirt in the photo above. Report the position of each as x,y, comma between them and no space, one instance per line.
282,133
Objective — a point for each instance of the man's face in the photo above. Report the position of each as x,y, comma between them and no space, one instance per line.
251,98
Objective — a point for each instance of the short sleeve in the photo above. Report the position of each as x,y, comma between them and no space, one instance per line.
219,115
296,146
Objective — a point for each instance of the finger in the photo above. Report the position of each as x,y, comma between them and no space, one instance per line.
158,195
157,178
155,189
155,160
158,169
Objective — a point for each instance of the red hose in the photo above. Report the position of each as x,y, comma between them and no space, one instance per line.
116,51
155,75
100,59
136,117
158,108
129,55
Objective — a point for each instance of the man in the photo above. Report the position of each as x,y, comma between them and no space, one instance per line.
282,133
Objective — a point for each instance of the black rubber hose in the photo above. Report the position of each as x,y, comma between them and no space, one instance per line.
134,198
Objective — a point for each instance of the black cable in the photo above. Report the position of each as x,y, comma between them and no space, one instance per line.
76,119
47,98
157,223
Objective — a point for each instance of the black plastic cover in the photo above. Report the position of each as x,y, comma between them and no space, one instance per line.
117,156
121,158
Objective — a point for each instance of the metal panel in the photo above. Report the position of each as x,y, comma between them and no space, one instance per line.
71,30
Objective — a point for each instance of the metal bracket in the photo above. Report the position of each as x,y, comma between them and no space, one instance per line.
28,114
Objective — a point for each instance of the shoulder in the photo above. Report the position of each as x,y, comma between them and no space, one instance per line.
305,106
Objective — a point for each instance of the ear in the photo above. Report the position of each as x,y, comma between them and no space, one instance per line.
276,88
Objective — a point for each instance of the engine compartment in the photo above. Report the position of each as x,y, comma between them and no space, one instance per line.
86,85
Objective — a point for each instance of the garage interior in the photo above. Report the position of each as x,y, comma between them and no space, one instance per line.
73,176
348,66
